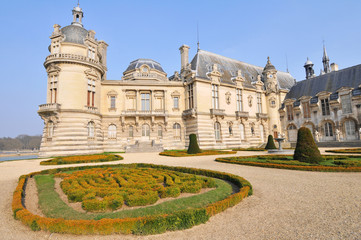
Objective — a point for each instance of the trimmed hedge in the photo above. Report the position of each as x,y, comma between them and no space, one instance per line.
270,143
306,148
82,159
193,147
142,225
183,153
347,150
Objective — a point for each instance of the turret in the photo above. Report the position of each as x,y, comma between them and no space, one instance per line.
269,74
309,69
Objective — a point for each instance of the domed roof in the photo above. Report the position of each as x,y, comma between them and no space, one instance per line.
308,62
269,65
142,61
74,34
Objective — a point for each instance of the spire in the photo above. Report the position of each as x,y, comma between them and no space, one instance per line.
77,16
197,38
325,60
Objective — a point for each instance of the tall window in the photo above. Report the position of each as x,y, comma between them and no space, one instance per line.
112,101
350,128
217,131
289,112
112,131
131,134
53,88
241,130
145,99
259,103
325,107
239,100
306,110
50,129
328,129
91,129
190,96
176,102
91,53
346,104
215,97
91,93
145,130
177,131
160,131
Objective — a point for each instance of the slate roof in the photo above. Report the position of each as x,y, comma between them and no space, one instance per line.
330,82
203,61
139,62
74,34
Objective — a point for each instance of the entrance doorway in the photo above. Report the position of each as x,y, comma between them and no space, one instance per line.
145,132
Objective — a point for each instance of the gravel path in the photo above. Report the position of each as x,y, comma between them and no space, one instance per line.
286,204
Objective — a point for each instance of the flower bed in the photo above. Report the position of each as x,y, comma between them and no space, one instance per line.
347,150
332,163
183,153
82,159
139,225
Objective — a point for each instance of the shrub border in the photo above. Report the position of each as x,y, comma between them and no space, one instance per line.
289,167
345,150
141,225
50,161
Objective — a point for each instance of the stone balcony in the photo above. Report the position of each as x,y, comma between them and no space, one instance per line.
91,109
262,115
217,112
148,113
241,114
189,113
49,108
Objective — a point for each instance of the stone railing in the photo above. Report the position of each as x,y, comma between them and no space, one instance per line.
262,115
91,109
49,107
73,57
241,114
156,113
189,113
217,112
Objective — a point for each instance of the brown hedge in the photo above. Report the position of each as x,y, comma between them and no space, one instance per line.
142,225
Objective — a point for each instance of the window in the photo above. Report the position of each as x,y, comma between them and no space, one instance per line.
190,96
112,131
131,131
145,99
177,131
91,129
346,104
350,128
241,130
112,102
176,102
289,112
217,131
91,53
230,130
259,103
215,98
160,131
50,129
325,107
145,130
306,110
328,129
53,88
91,93
239,100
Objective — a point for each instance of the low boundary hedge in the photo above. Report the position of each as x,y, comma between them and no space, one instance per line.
82,159
142,225
318,168
183,153
345,150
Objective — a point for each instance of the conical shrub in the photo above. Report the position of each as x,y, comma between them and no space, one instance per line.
270,143
306,148
193,147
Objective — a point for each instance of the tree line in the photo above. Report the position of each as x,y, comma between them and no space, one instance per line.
20,142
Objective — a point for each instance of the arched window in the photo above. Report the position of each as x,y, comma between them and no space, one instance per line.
328,129
112,131
50,131
217,131
160,131
131,133
177,131
91,129
241,130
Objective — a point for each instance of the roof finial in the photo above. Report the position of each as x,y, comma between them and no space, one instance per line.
287,63
268,61
197,38
78,3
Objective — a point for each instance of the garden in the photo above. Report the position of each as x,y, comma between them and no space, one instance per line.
128,198
82,159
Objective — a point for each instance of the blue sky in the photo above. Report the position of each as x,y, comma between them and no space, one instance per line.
245,30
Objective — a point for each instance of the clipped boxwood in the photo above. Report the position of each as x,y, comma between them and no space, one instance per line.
270,143
178,220
193,147
306,148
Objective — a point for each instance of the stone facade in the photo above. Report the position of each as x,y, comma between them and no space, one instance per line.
227,103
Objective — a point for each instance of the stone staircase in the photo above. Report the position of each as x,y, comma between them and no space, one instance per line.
339,144
149,146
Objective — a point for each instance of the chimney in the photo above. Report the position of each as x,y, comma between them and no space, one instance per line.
184,51
334,67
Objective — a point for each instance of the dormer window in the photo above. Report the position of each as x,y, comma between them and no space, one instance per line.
325,107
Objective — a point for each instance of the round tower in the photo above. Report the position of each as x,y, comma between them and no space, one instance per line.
76,66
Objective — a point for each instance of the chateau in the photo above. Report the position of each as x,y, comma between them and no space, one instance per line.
226,102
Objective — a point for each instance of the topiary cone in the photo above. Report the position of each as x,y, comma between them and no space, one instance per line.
306,148
193,147
270,143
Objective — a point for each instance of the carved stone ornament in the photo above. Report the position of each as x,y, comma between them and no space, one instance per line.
53,69
250,100
228,98
271,87
91,73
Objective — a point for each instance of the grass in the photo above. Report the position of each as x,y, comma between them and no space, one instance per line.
347,150
183,153
331,163
52,206
82,159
